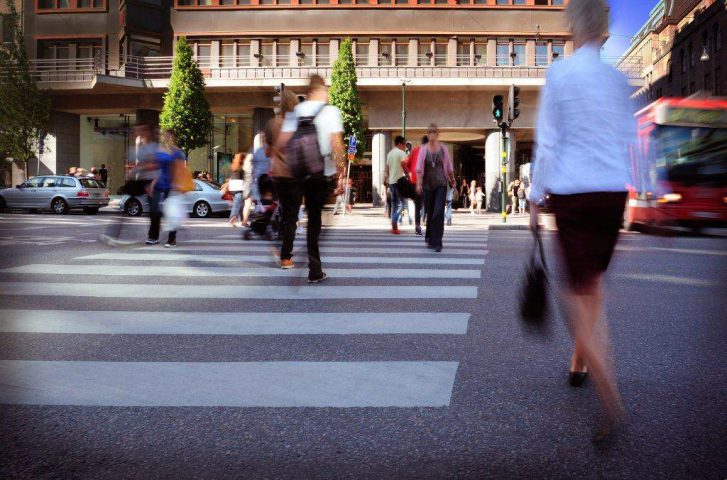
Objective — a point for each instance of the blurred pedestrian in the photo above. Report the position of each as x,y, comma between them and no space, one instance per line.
103,174
247,189
260,167
521,198
312,123
93,173
166,183
394,171
235,186
512,193
434,172
448,206
410,170
473,197
351,200
585,128
479,198
464,193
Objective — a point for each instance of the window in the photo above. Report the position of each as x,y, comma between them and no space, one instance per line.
440,54
87,50
558,52
441,2
717,37
323,54
346,2
33,182
425,53
51,5
541,2
519,50
67,183
541,55
305,2
204,51
48,182
503,54
362,52
402,52
266,50
140,48
90,183
305,55
480,54
480,2
503,2
227,55
262,2
283,57
519,2
555,2
323,2
243,54
6,26
385,55
401,2
227,2
463,54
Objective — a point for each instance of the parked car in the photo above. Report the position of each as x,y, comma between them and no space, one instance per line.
58,193
204,201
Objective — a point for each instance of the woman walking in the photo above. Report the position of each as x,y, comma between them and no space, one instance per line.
235,187
473,196
434,173
584,129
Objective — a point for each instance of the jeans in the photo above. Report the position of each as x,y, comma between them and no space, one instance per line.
291,195
448,212
155,214
396,200
340,202
237,205
434,205
522,204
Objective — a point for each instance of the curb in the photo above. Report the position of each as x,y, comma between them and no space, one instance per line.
505,226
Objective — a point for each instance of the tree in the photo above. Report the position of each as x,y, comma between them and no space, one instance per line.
186,109
24,109
344,93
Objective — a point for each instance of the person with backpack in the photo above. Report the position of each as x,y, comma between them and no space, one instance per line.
312,139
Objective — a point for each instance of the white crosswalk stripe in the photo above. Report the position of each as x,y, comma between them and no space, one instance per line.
368,266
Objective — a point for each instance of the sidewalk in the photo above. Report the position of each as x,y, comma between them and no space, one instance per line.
368,215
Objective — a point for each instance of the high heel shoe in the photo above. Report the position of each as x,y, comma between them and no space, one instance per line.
577,379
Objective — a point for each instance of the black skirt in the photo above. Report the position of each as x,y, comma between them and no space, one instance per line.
588,228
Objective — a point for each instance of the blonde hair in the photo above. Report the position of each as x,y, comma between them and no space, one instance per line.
588,19
289,101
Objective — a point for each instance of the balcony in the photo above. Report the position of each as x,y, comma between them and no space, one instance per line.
154,73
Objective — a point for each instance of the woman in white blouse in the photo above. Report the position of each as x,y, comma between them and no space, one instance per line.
584,128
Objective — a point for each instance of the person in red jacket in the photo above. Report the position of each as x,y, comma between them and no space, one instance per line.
410,170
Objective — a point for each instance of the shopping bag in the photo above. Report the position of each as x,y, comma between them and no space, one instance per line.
175,211
534,291
182,177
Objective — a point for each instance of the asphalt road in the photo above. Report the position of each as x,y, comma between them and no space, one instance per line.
369,375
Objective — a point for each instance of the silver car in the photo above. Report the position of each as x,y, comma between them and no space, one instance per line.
58,193
204,201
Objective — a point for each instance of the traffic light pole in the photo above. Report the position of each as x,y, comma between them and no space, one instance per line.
503,170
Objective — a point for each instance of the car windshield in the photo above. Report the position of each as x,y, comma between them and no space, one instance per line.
692,155
90,183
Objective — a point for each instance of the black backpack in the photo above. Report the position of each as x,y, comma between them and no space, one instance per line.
303,153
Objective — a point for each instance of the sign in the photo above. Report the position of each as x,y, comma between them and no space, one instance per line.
351,145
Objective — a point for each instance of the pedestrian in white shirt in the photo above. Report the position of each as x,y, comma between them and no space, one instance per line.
584,129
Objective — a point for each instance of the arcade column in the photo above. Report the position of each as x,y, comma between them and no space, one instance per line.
379,147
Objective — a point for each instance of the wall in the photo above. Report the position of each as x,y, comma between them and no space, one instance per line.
61,145
97,148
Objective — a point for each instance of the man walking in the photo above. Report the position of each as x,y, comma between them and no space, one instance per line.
410,169
103,174
310,122
395,162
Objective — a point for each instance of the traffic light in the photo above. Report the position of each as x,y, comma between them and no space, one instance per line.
513,102
497,107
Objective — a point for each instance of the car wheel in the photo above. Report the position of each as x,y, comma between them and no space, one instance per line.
133,207
201,209
59,206
90,210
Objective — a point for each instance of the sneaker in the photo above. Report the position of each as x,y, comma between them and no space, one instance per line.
418,231
286,264
438,249
319,279
396,231
151,242
170,244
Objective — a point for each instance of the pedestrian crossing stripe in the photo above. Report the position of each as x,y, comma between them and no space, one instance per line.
228,384
258,292
298,256
232,323
323,250
329,243
200,271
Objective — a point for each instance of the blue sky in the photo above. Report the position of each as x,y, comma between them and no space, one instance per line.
627,17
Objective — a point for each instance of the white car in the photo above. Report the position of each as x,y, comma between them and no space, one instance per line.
204,201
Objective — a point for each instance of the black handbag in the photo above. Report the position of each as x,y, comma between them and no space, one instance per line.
534,295
406,188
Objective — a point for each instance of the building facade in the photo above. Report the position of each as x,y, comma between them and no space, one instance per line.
106,65
682,50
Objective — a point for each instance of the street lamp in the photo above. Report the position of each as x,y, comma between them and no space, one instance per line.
705,55
403,106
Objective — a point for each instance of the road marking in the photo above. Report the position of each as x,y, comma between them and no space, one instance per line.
237,323
264,292
421,250
228,384
300,241
674,280
237,259
720,253
199,271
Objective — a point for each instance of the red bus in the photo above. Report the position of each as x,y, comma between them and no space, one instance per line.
680,168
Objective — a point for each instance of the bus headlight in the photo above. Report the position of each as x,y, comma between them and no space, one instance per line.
670,198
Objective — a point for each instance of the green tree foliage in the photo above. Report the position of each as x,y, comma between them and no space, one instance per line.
186,109
344,94
24,109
